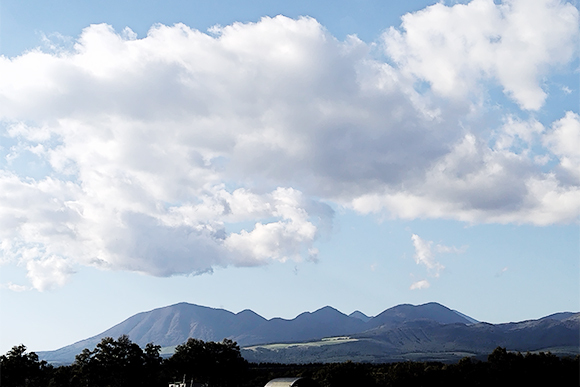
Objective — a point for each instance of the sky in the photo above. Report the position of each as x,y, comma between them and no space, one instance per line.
283,156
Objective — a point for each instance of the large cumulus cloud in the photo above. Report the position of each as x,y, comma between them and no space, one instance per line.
184,150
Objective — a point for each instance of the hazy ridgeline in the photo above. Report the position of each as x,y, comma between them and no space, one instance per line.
428,332
219,364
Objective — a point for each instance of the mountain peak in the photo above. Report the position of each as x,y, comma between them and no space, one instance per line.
327,309
429,311
324,313
360,315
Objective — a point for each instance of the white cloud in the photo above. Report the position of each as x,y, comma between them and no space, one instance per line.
450,249
514,42
517,135
14,287
155,146
424,255
475,183
422,284
564,142
278,240
49,273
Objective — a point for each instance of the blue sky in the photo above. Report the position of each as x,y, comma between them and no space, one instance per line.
283,156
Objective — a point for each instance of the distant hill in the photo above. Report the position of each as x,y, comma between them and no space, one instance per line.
306,326
404,313
559,316
360,315
174,324
427,340
170,326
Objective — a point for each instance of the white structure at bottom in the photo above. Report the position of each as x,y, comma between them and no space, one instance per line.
283,382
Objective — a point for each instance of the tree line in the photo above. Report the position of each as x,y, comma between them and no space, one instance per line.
121,362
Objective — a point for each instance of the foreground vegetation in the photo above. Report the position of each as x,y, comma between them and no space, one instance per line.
123,363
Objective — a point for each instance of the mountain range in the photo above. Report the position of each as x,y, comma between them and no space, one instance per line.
430,329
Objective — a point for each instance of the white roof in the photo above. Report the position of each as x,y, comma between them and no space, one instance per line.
282,382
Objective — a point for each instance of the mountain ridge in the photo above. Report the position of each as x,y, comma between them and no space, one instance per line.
171,325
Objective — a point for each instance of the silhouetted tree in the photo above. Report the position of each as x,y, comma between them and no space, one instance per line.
122,363
18,368
219,364
117,363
